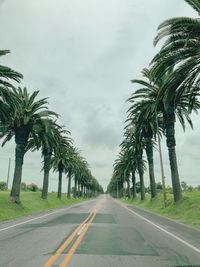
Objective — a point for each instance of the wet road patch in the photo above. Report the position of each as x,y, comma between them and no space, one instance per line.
104,218
68,218
114,240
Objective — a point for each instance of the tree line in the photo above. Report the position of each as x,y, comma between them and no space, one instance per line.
34,127
168,91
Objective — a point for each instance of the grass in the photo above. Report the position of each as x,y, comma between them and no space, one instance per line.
187,211
31,203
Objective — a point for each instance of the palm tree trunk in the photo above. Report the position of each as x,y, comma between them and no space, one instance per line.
149,153
121,190
82,190
60,184
142,189
133,183
169,120
128,187
69,185
175,176
15,191
75,186
78,189
87,192
21,140
47,159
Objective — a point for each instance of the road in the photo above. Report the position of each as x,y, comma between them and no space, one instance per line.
100,232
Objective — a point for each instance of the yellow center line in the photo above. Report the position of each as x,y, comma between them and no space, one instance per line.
68,241
75,245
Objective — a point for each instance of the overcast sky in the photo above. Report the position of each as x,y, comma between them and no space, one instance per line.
82,55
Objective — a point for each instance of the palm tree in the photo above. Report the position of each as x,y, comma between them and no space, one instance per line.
122,166
46,136
6,110
25,117
80,172
117,181
178,106
146,127
71,166
84,177
134,142
181,49
58,160
7,73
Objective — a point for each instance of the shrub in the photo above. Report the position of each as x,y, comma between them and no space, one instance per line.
23,186
32,187
190,188
169,190
198,187
159,186
3,186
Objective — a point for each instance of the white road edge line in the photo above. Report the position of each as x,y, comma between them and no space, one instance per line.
162,229
46,215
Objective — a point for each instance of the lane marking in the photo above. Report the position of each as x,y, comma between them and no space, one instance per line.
77,242
46,215
162,229
68,241
81,230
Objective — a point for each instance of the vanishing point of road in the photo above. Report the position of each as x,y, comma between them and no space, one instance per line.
97,233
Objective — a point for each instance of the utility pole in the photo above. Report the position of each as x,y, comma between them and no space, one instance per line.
8,172
162,173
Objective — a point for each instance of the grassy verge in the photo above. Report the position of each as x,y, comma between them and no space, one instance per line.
31,203
187,211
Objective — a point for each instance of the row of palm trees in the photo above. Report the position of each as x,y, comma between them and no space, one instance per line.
170,89
35,127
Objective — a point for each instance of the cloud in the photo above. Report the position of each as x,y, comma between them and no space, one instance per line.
101,126
2,1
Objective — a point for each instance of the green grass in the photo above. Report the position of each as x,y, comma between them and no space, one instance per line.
31,203
186,211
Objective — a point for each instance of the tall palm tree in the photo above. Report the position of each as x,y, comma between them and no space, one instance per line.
180,49
118,179
72,164
46,136
58,160
146,127
133,142
122,166
178,106
80,172
84,178
25,117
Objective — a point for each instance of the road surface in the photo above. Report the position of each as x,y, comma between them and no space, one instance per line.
100,232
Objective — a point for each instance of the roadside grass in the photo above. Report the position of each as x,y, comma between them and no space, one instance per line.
187,211
31,203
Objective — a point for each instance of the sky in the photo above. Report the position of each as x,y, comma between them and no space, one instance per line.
82,56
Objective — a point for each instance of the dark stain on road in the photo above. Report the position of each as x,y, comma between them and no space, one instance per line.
69,218
115,240
104,218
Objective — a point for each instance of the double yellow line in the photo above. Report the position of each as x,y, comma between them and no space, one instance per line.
69,240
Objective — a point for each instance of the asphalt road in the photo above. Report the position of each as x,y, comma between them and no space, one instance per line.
100,232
